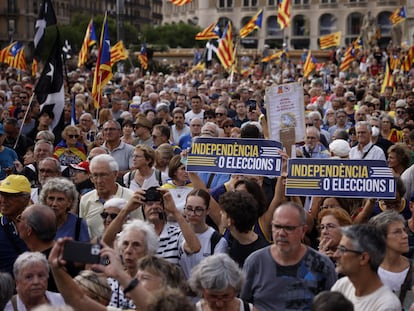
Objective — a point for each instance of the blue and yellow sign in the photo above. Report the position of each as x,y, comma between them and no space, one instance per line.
340,178
235,156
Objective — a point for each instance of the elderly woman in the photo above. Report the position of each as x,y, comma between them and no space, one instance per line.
395,270
95,286
218,280
61,195
227,125
136,240
31,272
330,221
388,131
178,185
70,150
398,158
153,275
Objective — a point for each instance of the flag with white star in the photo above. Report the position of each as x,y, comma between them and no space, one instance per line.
47,17
49,90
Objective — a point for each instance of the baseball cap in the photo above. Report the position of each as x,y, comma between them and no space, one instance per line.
15,184
340,148
81,166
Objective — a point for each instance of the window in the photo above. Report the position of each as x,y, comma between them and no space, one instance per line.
354,22
384,23
300,26
273,28
328,1
301,2
327,24
225,4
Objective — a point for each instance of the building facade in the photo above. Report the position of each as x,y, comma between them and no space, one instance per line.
310,19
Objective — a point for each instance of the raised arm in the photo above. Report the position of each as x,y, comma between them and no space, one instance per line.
115,226
214,206
192,244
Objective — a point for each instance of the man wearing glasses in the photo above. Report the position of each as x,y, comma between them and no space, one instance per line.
287,274
358,256
103,173
14,197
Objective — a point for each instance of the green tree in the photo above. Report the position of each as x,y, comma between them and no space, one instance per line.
179,35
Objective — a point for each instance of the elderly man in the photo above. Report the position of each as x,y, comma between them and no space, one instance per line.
358,257
195,130
104,171
14,197
161,135
313,147
122,152
365,149
287,274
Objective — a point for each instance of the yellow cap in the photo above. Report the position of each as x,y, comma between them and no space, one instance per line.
15,184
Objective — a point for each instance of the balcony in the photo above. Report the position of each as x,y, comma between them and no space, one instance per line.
393,3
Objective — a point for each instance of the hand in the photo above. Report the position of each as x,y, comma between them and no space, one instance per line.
285,158
136,201
114,268
326,247
56,254
18,166
169,205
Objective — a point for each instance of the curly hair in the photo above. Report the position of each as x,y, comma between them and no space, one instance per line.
61,185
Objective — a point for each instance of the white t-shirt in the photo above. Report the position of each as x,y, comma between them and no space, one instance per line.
191,115
187,262
383,299
55,299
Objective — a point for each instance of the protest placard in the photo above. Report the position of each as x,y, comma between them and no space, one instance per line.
235,156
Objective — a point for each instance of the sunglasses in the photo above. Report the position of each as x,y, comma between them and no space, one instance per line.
73,136
105,215
218,114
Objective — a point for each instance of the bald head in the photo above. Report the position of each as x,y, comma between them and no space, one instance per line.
42,220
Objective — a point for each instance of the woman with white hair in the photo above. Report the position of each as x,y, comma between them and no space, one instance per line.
218,280
136,240
61,195
31,272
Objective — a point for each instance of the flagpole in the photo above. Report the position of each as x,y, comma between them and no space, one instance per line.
24,119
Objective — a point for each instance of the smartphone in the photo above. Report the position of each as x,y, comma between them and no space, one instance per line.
82,252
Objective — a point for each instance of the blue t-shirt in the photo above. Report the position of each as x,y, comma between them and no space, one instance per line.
7,157
69,229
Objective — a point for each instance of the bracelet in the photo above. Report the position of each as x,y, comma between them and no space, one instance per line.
132,284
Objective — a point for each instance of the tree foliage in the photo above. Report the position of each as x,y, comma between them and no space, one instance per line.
179,35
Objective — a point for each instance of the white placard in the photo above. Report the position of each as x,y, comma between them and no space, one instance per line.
284,107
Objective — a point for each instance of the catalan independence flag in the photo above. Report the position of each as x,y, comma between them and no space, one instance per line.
283,13
17,58
310,65
351,54
272,57
408,60
143,57
398,16
254,23
211,32
331,40
118,52
225,49
180,2
5,53
89,40
103,70
388,78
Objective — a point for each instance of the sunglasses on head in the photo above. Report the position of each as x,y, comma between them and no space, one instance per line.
105,215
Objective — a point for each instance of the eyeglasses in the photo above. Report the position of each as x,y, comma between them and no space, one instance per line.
100,175
310,137
327,227
285,228
227,125
23,97
105,215
154,136
73,136
198,211
342,249
219,114
400,112
400,231
47,171
224,298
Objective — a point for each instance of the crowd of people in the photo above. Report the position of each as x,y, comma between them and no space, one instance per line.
170,239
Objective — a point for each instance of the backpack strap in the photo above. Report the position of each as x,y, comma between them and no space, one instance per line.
131,176
246,306
214,239
406,285
14,302
77,228
158,176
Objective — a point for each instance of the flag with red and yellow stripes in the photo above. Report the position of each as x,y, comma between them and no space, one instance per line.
331,40
388,78
118,52
225,49
89,40
180,2
408,60
283,13
208,33
254,23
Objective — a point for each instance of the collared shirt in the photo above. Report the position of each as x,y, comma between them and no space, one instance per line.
123,154
11,245
371,152
91,207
